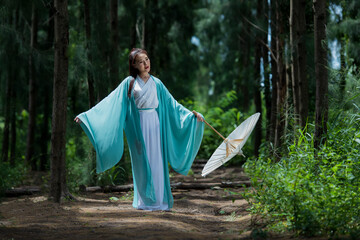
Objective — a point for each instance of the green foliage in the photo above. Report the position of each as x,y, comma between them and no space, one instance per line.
81,166
10,176
222,116
129,196
113,176
313,194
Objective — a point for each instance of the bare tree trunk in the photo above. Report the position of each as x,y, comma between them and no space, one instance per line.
8,100
13,129
114,53
133,36
155,22
281,73
267,90
45,132
30,141
257,94
90,77
302,66
321,74
58,188
274,78
294,16
243,94
47,94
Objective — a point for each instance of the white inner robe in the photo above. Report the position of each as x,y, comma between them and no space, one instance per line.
146,100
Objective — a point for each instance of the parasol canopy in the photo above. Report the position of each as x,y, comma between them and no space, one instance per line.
231,145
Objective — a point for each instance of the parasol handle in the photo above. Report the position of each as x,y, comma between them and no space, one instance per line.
215,131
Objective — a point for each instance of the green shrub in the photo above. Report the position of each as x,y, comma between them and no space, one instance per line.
11,176
223,117
313,194
81,166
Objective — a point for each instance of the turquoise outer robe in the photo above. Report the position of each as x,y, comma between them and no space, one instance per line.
180,132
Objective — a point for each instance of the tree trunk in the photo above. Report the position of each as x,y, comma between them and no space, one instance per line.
90,77
267,90
257,76
321,74
293,21
133,36
243,92
302,66
58,188
281,81
13,129
155,22
6,133
47,94
101,40
114,53
30,141
45,131
274,78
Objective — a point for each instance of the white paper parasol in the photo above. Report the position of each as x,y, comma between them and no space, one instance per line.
231,145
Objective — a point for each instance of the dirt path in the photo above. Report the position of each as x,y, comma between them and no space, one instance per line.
197,214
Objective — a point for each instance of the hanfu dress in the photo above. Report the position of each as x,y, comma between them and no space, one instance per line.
159,131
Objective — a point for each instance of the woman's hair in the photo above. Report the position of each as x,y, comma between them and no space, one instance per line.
132,57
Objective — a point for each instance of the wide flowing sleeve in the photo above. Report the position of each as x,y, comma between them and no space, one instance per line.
181,133
104,124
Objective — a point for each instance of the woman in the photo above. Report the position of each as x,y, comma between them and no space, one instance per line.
158,130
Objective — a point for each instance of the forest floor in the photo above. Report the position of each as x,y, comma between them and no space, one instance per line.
212,213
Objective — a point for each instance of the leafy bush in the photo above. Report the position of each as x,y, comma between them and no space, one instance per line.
313,192
10,176
223,117
81,166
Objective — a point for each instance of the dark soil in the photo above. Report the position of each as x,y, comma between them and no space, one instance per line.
197,214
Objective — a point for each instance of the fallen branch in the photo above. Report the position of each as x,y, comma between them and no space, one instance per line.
178,185
16,192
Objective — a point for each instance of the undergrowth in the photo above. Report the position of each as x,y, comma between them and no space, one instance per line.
312,192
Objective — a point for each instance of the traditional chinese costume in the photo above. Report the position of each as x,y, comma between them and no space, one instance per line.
159,131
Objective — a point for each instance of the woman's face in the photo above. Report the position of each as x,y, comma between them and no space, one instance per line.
142,63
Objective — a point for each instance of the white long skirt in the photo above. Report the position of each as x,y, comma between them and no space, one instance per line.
150,128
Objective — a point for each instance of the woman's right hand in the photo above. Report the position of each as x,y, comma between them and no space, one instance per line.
77,120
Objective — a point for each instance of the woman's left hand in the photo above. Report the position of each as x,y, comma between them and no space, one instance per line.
198,116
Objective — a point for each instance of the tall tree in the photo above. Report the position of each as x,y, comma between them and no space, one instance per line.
10,56
257,76
6,133
30,141
58,188
90,76
265,57
321,74
294,16
114,53
282,86
274,73
298,60
302,66
46,96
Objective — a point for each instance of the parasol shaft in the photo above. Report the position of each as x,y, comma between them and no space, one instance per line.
225,139
215,131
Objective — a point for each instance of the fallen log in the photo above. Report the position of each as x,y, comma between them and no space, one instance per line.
199,186
106,189
16,192
178,185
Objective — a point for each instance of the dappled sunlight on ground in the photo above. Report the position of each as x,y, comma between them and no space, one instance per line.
197,214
